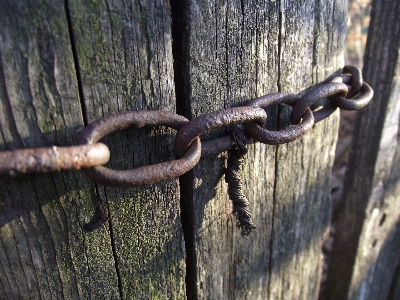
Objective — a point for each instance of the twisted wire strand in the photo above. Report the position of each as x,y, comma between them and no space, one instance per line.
235,182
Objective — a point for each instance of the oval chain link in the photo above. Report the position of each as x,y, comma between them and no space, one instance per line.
339,94
216,119
52,159
147,174
280,136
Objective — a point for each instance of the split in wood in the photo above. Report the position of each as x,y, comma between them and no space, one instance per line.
99,217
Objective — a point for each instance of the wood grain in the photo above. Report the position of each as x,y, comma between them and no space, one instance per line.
62,67
45,252
125,61
236,51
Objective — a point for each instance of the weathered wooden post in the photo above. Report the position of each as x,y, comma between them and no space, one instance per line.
64,65
234,51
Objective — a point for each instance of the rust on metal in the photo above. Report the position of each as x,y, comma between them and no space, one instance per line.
347,91
324,112
216,146
358,96
329,108
279,136
100,215
130,119
359,101
356,80
213,120
52,159
323,91
147,174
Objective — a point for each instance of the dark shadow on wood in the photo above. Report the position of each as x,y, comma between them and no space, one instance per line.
24,185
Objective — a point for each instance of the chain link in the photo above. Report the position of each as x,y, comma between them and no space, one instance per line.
52,159
143,175
213,120
285,135
347,91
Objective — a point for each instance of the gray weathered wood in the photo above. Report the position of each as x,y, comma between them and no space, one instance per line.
235,51
125,60
301,216
45,252
121,55
365,253
62,67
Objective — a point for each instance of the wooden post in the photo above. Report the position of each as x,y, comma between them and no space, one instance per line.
66,65
234,51
61,67
365,252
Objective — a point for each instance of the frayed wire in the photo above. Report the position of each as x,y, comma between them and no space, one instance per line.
235,182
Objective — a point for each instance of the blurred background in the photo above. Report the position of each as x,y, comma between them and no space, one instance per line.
357,30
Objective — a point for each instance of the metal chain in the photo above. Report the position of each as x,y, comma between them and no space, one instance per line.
347,91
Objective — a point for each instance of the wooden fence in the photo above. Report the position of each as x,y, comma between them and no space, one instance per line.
66,64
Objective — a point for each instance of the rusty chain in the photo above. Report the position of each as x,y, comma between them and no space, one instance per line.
347,91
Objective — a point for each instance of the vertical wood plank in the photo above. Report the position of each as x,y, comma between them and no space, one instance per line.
62,66
365,251
312,49
236,51
232,55
124,54
45,251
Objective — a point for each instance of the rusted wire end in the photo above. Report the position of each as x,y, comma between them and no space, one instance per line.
235,183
